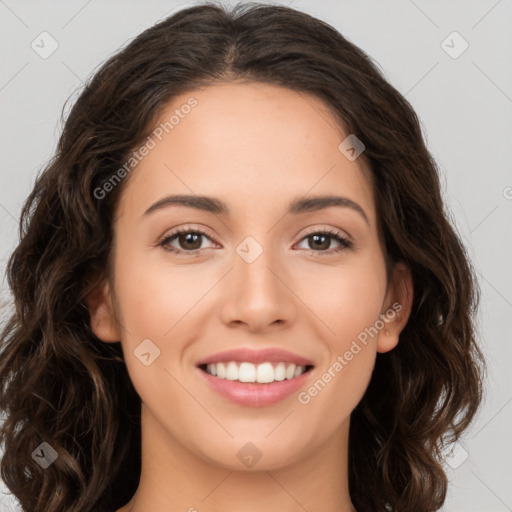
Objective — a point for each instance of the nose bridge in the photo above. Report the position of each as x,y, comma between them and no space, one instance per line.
253,270
257,294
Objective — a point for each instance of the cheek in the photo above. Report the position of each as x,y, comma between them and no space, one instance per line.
335,392
347,299
348,303
154,299
162,305
350,314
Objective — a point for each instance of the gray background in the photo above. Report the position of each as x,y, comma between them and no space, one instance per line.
464,104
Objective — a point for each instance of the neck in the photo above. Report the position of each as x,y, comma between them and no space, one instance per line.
175,478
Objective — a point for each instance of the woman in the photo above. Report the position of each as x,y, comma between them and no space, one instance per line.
236,286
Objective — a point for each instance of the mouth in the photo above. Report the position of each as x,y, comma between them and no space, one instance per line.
251,378
255,378
266,372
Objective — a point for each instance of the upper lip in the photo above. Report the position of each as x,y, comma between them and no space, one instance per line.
273,355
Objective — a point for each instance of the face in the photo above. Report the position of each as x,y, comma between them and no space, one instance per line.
274,285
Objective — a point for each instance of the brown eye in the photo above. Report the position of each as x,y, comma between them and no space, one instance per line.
321,241
188,241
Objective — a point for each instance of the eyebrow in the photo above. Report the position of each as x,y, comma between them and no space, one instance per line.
297,206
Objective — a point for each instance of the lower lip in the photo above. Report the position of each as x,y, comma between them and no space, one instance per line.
252,394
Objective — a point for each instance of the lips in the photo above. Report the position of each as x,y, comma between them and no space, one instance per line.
270,368
271,355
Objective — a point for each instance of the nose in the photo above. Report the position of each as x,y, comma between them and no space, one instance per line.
257,295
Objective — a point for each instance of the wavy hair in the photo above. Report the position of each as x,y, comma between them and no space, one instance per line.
61,385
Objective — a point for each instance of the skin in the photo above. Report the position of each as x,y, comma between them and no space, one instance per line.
256,147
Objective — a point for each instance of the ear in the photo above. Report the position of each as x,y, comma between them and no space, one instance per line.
397,307
103,319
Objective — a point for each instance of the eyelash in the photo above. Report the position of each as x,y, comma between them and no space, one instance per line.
345,243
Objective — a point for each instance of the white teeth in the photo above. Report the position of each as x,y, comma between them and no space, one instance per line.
280,372
290,371
263,373
221,370
232,371
247,372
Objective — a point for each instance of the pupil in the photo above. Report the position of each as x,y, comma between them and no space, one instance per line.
325,245
187,240
194,238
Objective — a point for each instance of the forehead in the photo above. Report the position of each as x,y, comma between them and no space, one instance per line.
255,145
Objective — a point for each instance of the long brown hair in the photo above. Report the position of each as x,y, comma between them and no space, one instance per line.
61,385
